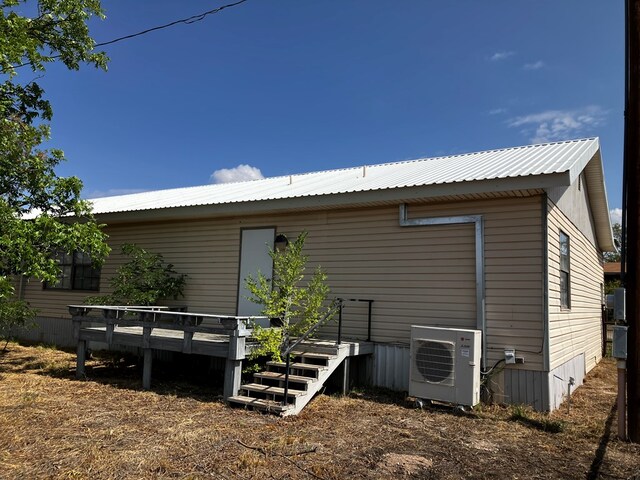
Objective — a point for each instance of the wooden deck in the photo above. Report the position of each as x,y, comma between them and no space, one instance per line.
210,344
159,329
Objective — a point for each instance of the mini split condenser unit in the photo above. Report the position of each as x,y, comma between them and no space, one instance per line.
445,365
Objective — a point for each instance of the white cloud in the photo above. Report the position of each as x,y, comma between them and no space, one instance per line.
615,214
534,66
552,125
240,173
497,111
496,57
111,192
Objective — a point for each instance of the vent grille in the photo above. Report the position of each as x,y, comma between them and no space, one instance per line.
434,362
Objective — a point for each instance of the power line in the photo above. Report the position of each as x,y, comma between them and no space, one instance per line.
187,21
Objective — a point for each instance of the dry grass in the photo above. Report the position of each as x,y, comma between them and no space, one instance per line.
52,426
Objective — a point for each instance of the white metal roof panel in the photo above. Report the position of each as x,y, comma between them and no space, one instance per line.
568,157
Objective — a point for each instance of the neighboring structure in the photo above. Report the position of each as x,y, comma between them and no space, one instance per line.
612,271
507,241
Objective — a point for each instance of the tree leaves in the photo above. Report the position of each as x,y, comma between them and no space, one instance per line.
58,31
617,235
298,302
144,279
40,213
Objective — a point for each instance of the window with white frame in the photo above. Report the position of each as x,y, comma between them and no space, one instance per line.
565,271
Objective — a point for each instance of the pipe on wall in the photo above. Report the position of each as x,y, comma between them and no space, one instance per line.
479,244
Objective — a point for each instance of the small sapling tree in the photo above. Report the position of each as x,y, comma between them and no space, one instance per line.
296,301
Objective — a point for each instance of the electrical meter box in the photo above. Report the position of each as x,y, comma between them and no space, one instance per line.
619,344
619,308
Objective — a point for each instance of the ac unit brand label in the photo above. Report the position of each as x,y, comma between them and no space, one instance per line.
464,351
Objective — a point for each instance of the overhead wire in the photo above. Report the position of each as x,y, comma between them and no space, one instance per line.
187,21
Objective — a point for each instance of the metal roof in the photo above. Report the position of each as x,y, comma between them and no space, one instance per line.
527,161
520,169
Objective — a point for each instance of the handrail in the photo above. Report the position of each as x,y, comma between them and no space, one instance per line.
370,302
336,304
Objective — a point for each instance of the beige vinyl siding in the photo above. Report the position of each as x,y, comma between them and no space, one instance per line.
513,274
577,329
416,275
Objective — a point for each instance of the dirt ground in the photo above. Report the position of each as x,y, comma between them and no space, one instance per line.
52,426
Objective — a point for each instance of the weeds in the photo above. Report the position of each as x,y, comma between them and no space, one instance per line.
524,415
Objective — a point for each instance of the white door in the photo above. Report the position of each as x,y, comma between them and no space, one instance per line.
254,257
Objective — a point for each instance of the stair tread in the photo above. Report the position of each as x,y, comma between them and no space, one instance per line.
258,387
260,403
280,376
305,366
330,348
322,356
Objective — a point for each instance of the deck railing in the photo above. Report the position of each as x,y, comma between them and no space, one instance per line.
234,329
337,305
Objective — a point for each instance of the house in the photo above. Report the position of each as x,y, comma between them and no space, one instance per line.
507,241
612,271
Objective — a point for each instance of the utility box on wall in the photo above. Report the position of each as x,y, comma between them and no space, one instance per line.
619,344
619,305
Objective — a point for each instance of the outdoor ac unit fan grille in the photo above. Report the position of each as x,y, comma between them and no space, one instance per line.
434,362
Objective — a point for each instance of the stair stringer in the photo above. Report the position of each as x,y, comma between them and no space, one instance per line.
300,402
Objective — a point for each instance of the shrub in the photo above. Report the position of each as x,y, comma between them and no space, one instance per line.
143,280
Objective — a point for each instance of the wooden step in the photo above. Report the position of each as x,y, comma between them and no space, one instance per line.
298,366
259,403
268,389
329,348
280,376
314,355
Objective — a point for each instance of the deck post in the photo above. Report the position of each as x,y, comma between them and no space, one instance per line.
345,376
187,340
77,323
109,332
233,367
81,358
147,360
146,369
146,337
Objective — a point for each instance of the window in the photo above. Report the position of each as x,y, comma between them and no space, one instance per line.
565,271
76,273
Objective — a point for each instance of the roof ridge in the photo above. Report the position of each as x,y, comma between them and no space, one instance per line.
422,159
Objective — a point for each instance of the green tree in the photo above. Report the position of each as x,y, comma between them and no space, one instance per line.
143,280
296,301
617,236
611,285
36,205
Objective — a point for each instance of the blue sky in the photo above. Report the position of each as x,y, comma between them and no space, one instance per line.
290,86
